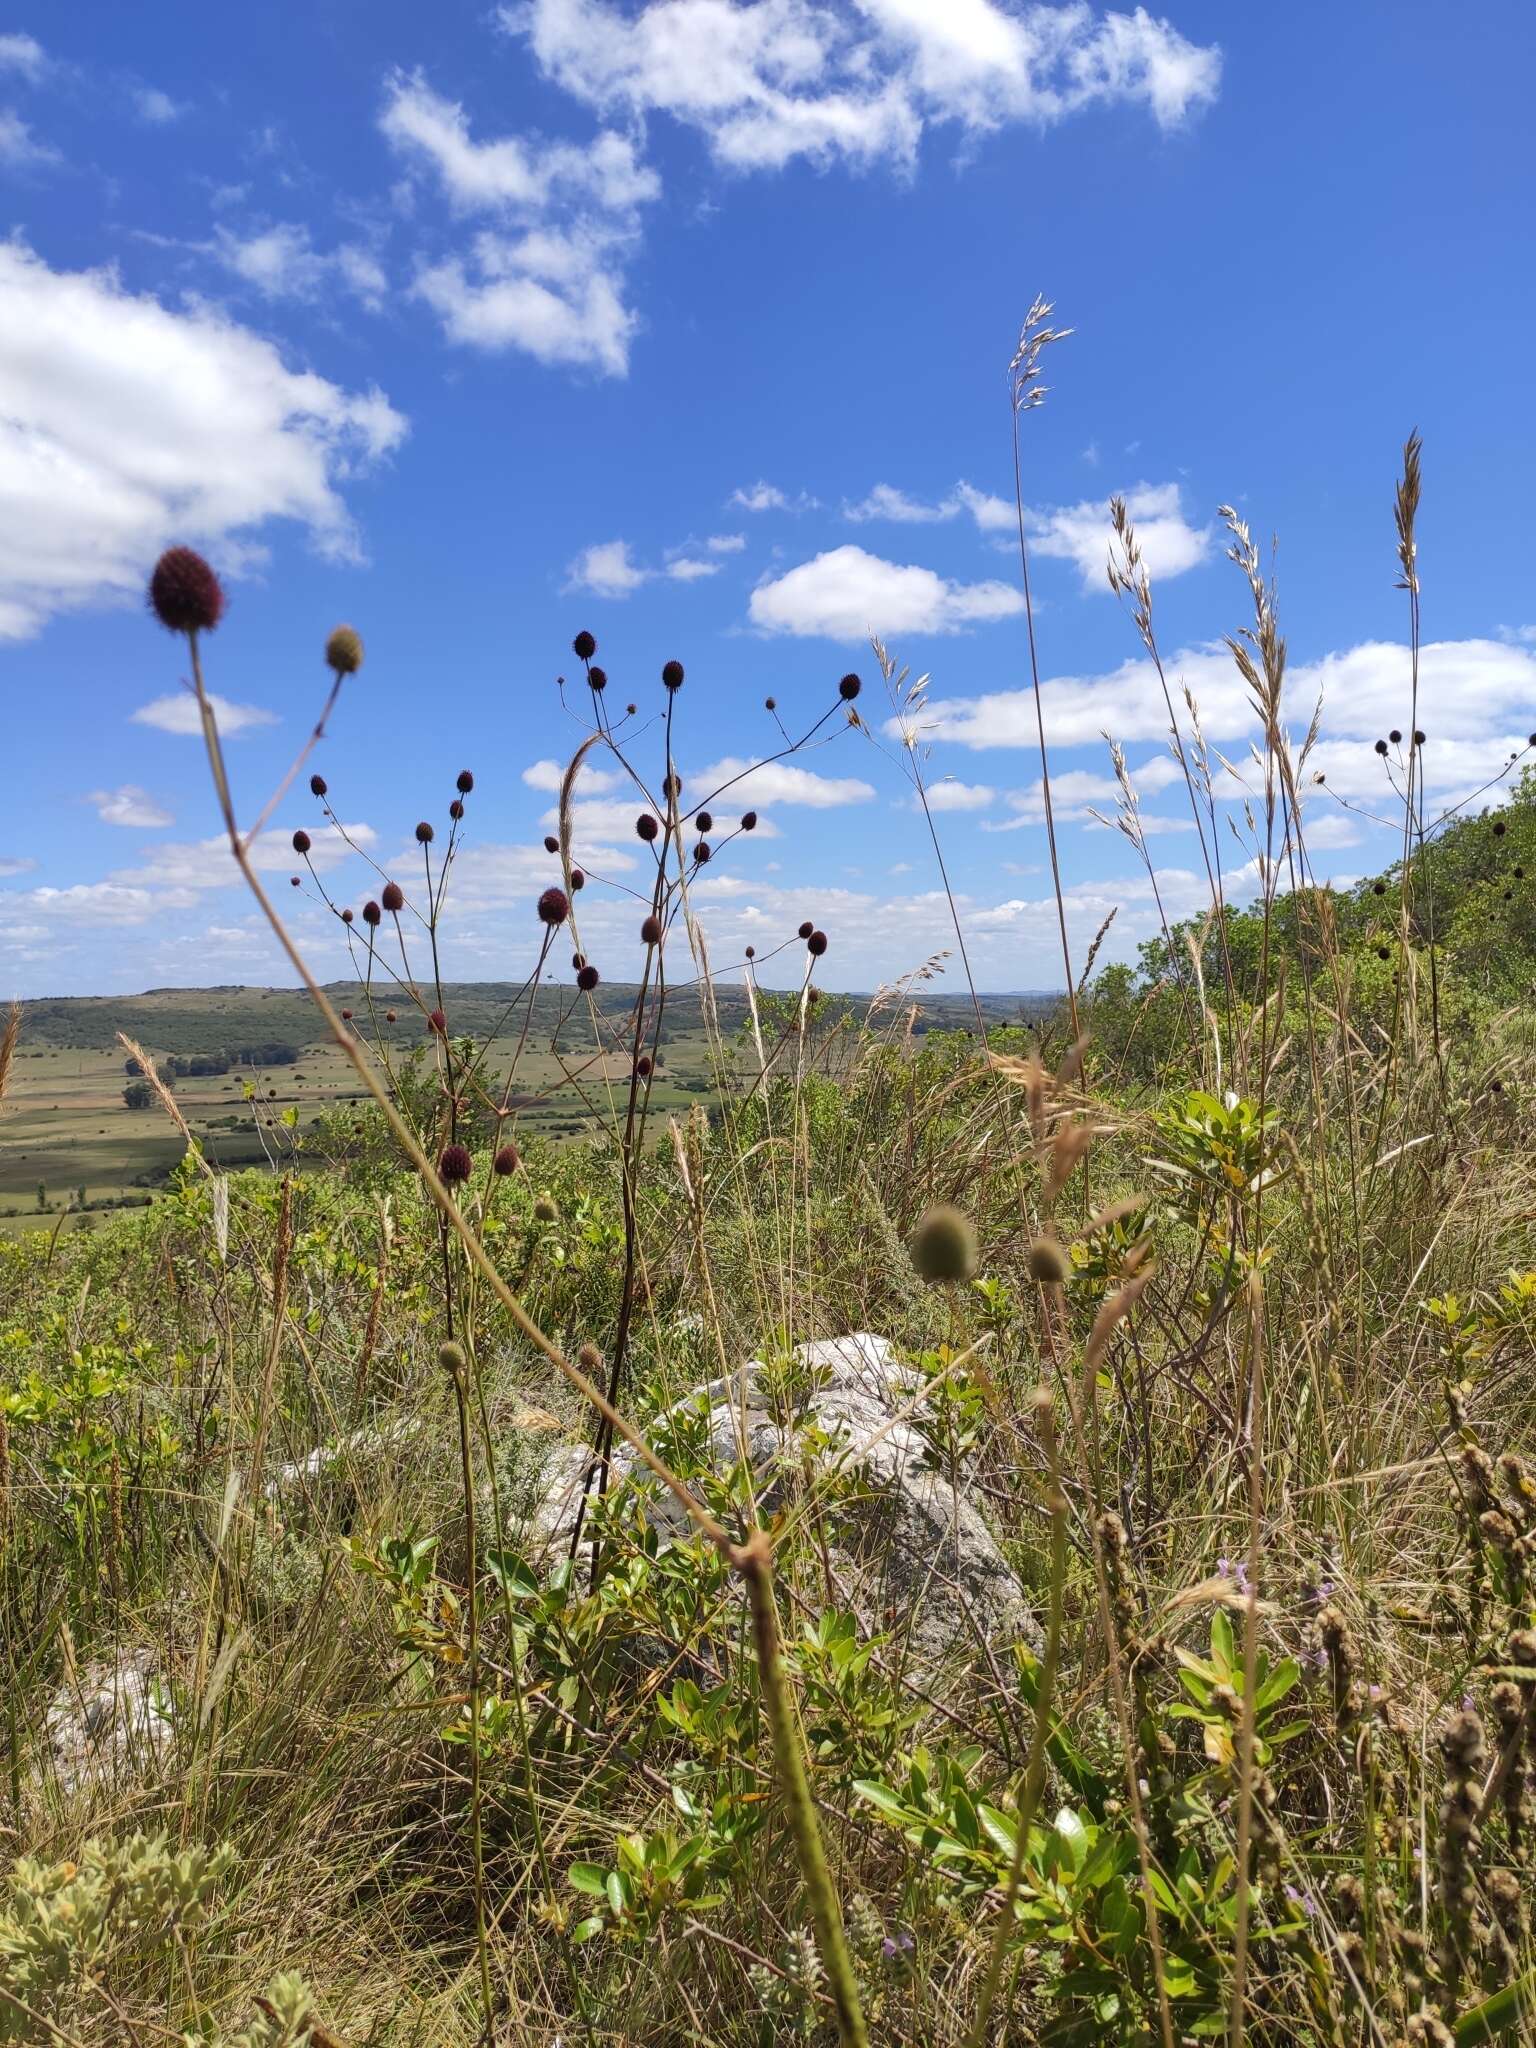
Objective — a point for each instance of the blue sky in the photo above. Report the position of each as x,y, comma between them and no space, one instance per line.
687,321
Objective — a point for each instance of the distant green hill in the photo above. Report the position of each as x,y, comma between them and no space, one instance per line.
251,1021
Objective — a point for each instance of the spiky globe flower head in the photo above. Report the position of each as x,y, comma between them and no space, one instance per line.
507,1160
346,1016
456,809
1381,747
597,677
701,852
672,675
578,961
465,783
551,843
849,688
1498,828
424,834
943,1245
770,703
816,945
344,651
1378,888
751,952
630,710
546,1210
392,896
584,646
301,842
673,786
650,932
643,1065
806,929
587,979
749,821
389,1016
647,826
294,882
184,594
438,1023
1046,1262
317,785
1395,737
371,912
455,1165
1531,742
1418,738
703,821
451,1358
346,917
1383,952
578,879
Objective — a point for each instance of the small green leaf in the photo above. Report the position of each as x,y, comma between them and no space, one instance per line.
588,1877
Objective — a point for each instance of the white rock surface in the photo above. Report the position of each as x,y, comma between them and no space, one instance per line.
111,1723
912,1555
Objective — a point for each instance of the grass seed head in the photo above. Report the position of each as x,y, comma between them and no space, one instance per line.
943,1245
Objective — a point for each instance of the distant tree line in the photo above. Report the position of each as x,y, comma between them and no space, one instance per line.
272,1053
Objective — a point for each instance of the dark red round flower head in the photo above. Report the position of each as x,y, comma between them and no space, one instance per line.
584,646
437,1022
317,785
184,594
598,678
630,710
554,907
389,1016
1395,736
465,783
587,980
578,961
551,843
301,842
1378,888
1531,742
701,852
346,1016
456,810
424,834
816,944
673,786
294,880
371,912
751,952
455,1165
749,821
806,929
849,688
346,917
1418,739
770,704
650,932
672,675
647,826
643,1065
578,879
507,1160
1381,746
392,896
1498,828
704,821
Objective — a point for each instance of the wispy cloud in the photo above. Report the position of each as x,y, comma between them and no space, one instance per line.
129,805
178,714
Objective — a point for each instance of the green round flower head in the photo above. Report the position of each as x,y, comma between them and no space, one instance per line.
943,1245
1047,1263
451,1358
546,1210
344,650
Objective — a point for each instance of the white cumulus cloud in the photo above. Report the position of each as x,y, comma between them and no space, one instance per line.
847,594
1081,534
129,805
769,81
178,713
124,424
